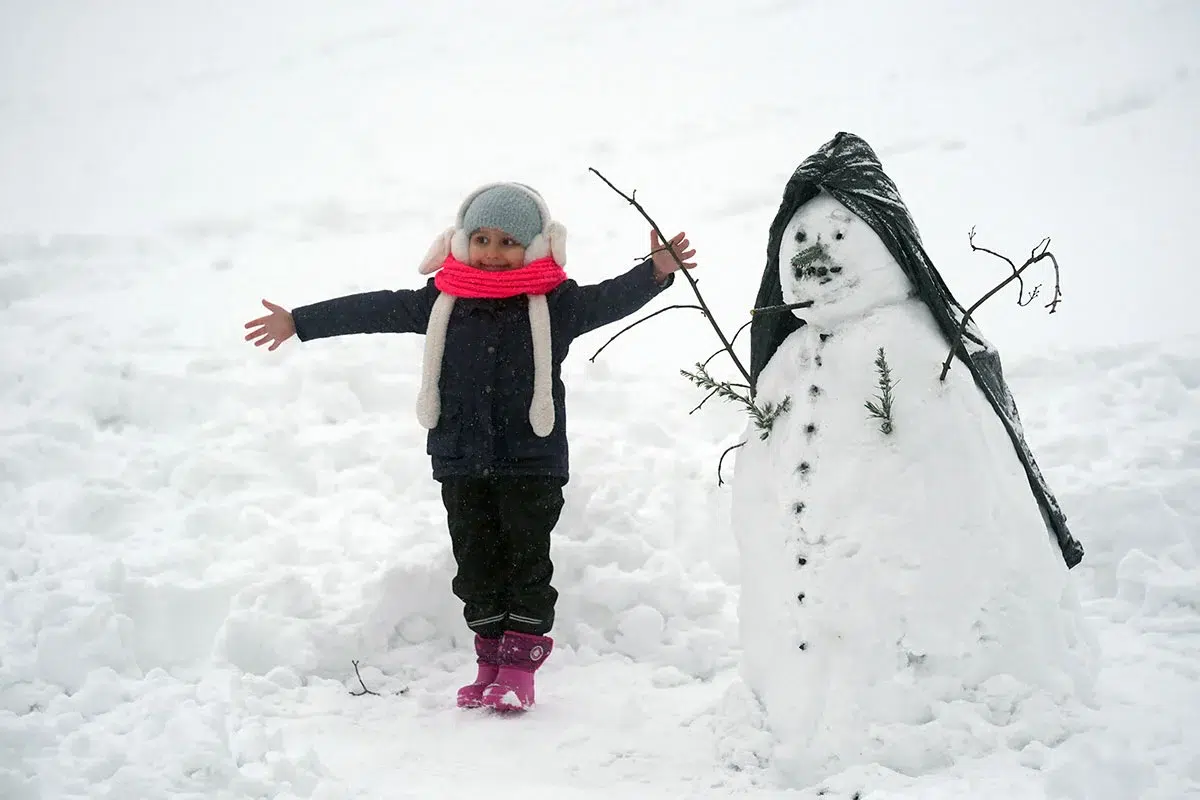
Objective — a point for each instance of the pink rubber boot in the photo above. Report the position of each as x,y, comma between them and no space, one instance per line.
520,656
487,656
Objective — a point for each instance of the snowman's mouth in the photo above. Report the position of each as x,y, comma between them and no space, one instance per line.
814,263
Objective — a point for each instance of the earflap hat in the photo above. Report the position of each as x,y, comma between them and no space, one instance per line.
512,207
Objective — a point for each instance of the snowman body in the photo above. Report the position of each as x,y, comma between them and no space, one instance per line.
885,575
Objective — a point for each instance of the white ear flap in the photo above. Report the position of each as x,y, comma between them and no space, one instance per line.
557,234
538,248
550,242
460,246
437,252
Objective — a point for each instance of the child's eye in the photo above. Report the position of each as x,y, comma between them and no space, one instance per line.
481,239
510,243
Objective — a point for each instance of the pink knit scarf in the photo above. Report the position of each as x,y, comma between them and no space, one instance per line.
463,280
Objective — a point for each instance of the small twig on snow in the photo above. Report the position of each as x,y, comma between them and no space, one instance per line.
365,690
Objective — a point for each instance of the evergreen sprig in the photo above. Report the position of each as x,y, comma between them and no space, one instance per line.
764,416
881,407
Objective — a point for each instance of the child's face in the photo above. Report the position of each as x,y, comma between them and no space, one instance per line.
493,249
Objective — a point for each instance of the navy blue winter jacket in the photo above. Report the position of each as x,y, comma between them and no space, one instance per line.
486,381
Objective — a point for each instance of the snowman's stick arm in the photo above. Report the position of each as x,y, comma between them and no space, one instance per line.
691,281
1037,254
639,322
1022,300
780,309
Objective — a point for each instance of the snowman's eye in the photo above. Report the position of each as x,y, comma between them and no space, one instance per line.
801,237
839,235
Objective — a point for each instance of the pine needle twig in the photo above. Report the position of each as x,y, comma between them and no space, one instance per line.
881,407
764,416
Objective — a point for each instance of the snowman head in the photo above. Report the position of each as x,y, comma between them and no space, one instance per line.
829,256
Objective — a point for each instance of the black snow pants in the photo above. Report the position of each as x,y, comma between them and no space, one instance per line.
500,531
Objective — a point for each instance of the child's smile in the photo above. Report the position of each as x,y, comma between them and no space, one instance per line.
492,249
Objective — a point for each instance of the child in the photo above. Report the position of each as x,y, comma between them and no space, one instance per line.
499,317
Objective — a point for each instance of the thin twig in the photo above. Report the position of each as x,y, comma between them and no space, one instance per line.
1021,299
365,690
722,461
707,397
732,342
640,321
1037,254
1054,301
691,281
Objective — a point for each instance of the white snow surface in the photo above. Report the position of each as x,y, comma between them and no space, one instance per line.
199,539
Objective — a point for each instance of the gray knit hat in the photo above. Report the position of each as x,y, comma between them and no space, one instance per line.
512,207
507,207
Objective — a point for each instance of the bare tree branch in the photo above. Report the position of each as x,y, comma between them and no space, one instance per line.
1022,300
631,199
639,322
1038,253
1054,301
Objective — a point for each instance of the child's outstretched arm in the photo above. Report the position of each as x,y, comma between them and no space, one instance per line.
616,298
399,311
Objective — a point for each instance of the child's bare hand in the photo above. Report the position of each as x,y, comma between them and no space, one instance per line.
276,327
664,265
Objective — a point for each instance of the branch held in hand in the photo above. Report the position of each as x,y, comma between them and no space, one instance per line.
675,257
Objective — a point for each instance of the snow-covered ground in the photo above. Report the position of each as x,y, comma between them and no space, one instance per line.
198,539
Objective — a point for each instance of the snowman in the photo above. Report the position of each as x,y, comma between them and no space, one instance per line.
889,572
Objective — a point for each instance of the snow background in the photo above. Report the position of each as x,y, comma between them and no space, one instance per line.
198,538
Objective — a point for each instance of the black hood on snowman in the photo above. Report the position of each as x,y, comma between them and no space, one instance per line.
847,168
